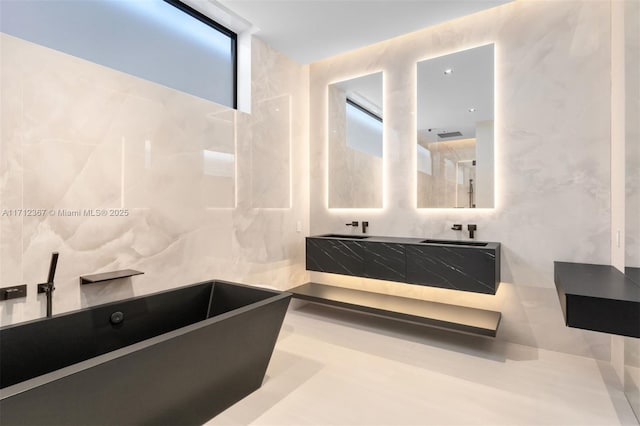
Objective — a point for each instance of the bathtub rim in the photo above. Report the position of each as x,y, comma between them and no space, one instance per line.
78,367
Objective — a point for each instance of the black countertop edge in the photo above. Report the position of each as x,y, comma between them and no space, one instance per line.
597,281
409,240
633,274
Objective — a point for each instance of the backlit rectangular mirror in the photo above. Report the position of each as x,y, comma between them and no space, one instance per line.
355,142
455,130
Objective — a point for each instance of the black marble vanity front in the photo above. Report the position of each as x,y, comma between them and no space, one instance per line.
458,265
453,267
384,261
335,255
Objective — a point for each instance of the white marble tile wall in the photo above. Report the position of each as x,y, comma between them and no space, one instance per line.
632,184
632,133
182,171
552,157
271,153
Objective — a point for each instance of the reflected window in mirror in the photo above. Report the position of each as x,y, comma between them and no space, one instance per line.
455,130
364,129
355,142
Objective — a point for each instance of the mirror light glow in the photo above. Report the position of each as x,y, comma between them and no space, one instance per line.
356,168
456,107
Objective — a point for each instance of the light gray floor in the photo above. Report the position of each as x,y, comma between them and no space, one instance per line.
334,367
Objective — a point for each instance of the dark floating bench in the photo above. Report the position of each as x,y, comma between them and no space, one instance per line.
108,276
598,298
441,315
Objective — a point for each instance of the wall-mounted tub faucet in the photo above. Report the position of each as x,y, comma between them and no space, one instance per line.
365,225
48,287
354,223
472,229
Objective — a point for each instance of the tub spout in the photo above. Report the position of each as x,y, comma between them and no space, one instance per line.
48,287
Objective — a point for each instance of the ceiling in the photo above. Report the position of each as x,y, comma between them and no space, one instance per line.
456,101
311,30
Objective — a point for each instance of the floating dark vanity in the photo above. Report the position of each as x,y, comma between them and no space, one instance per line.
598,298
472,266
458,265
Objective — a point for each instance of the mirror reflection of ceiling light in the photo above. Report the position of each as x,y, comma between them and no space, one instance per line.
448,71
472,110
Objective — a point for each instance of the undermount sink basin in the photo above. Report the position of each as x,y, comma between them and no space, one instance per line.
455,242
354,237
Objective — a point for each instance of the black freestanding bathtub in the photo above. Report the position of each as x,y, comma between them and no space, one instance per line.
177,357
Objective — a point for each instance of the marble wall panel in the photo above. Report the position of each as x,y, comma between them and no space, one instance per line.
173,172
271,152
552,156
632,134
10,173
219,160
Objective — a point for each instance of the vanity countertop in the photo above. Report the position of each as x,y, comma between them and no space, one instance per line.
598,297
599,281
410,240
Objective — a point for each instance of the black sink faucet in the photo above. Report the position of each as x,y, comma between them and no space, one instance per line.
48,287
354,223
365,225
472,229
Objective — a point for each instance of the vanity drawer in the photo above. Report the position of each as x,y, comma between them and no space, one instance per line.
455,268
344,257
385,261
